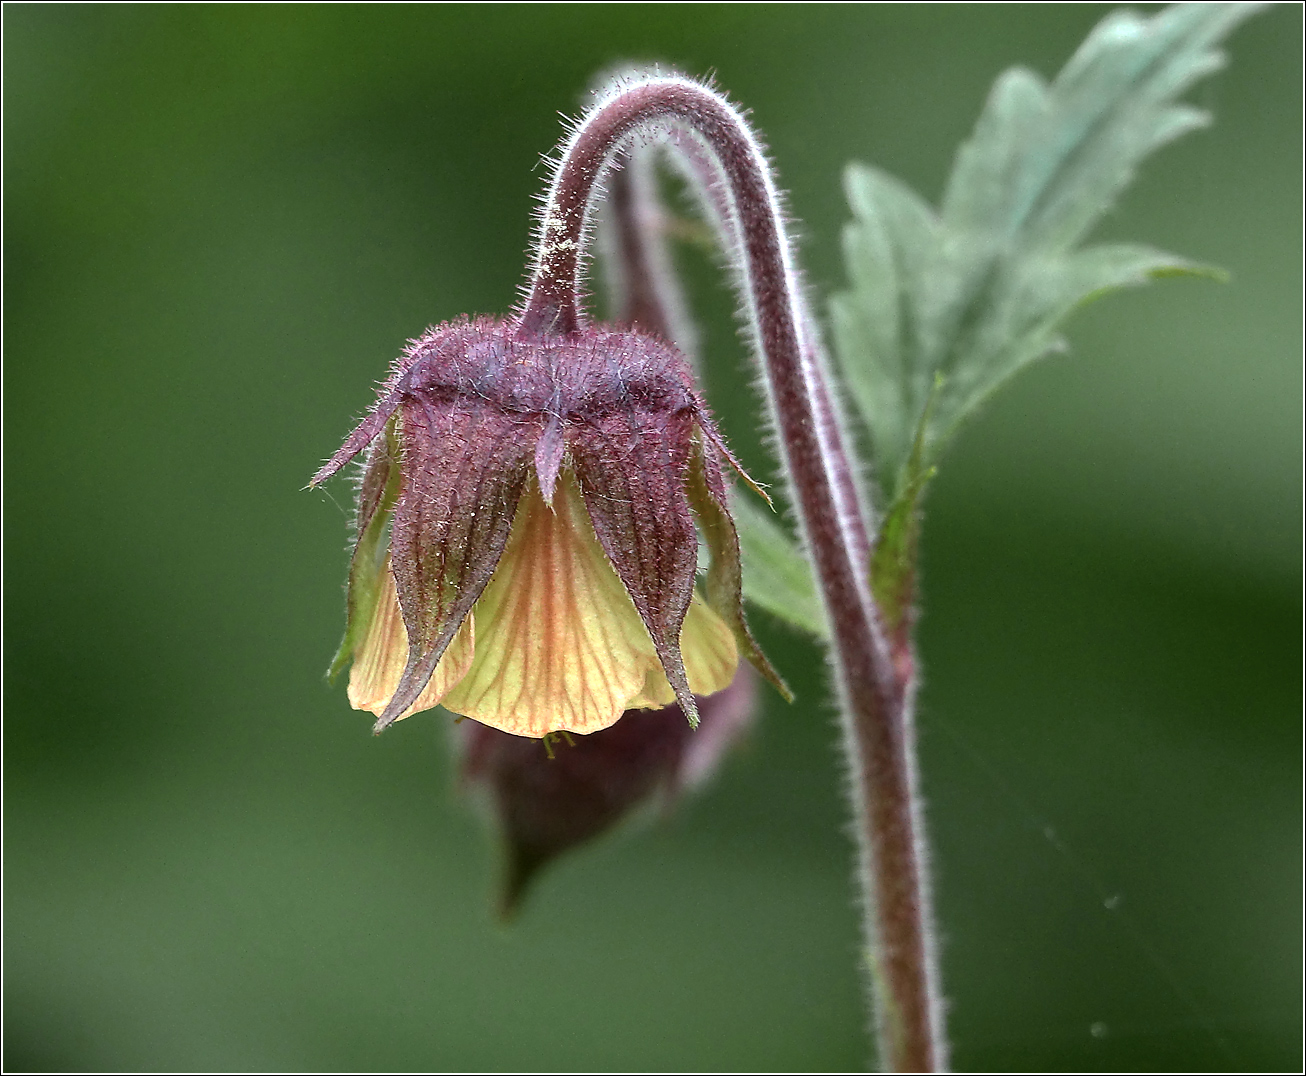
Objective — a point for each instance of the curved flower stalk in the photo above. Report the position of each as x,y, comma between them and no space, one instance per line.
714,146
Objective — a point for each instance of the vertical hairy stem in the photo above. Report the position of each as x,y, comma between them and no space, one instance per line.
714,146
644,290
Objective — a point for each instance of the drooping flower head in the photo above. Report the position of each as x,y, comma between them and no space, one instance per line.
526,547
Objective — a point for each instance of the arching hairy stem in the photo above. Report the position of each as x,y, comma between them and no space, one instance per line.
714,146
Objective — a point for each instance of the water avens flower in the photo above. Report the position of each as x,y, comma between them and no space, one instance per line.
504,456
527,546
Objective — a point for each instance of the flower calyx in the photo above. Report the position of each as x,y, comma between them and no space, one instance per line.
527,547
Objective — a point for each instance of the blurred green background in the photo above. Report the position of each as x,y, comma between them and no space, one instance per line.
222,222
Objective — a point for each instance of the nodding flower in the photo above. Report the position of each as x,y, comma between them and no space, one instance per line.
528,526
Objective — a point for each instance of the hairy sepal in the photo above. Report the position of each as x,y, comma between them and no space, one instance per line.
633,466
464,469
377,494
723,586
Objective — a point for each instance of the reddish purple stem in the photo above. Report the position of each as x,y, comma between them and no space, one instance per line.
717,147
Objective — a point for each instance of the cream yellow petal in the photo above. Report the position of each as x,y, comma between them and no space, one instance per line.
380,660
560,645
710,654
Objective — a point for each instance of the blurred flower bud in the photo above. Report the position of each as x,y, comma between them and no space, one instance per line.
547,798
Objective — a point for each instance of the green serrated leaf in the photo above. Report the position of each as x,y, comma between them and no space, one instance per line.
1112,105
980,289
776,575
891,254
1034,298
